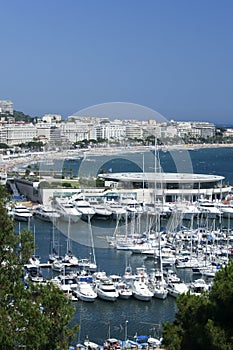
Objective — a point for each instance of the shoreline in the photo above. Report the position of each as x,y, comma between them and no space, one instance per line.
8,163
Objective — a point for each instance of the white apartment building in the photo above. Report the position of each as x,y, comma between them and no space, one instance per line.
151,130
206,129
168,131
2,134
43,131
228,132
51,118
75,132
200,129
111,131
133,131
6,107
82,128
14,134
87,119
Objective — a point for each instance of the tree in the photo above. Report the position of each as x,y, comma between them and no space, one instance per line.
204,322
3,145
31,316
20,116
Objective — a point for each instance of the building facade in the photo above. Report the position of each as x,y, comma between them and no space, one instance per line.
6,107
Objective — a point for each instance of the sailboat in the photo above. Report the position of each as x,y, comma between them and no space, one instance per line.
157,283
69,258
89,264
34,260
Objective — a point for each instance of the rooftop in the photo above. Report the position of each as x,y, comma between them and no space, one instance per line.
162,177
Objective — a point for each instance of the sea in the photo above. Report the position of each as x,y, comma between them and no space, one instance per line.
124,318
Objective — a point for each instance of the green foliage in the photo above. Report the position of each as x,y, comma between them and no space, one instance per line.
36,317
4,195
221,297
20,116
3,145
206,321
32,145
66,184
99,182
172,336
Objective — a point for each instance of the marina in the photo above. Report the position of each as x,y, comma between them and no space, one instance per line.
144,317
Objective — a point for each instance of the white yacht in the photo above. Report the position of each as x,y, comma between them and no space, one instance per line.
21,212
46,213
66,210
118,211
177,288
141,291
34,274
86,264
85,208
85,292
106,290
58,265
187,210
65,282
125,292
226,210
208,209
199,286
101,210
157,284
132,206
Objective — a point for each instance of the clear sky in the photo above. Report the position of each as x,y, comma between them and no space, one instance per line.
174,56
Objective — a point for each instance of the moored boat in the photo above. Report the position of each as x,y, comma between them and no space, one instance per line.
46,213
21,213
106,290
85,291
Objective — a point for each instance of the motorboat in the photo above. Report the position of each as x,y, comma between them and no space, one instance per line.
46,213
85,292
170,276
118,211
186,210
58,265
34,261
132,206
107,290
177,288
85,208
21,213
34,274
67,210
157,284
87,265
125,292
67,285
70,259
209,209
209,272
66,282
198,287
226,210
102,212
141,291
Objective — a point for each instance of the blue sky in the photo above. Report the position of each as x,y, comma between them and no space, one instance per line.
174,56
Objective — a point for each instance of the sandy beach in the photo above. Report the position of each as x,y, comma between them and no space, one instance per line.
12,162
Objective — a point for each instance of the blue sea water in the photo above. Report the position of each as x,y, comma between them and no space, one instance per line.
98,318
217,161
